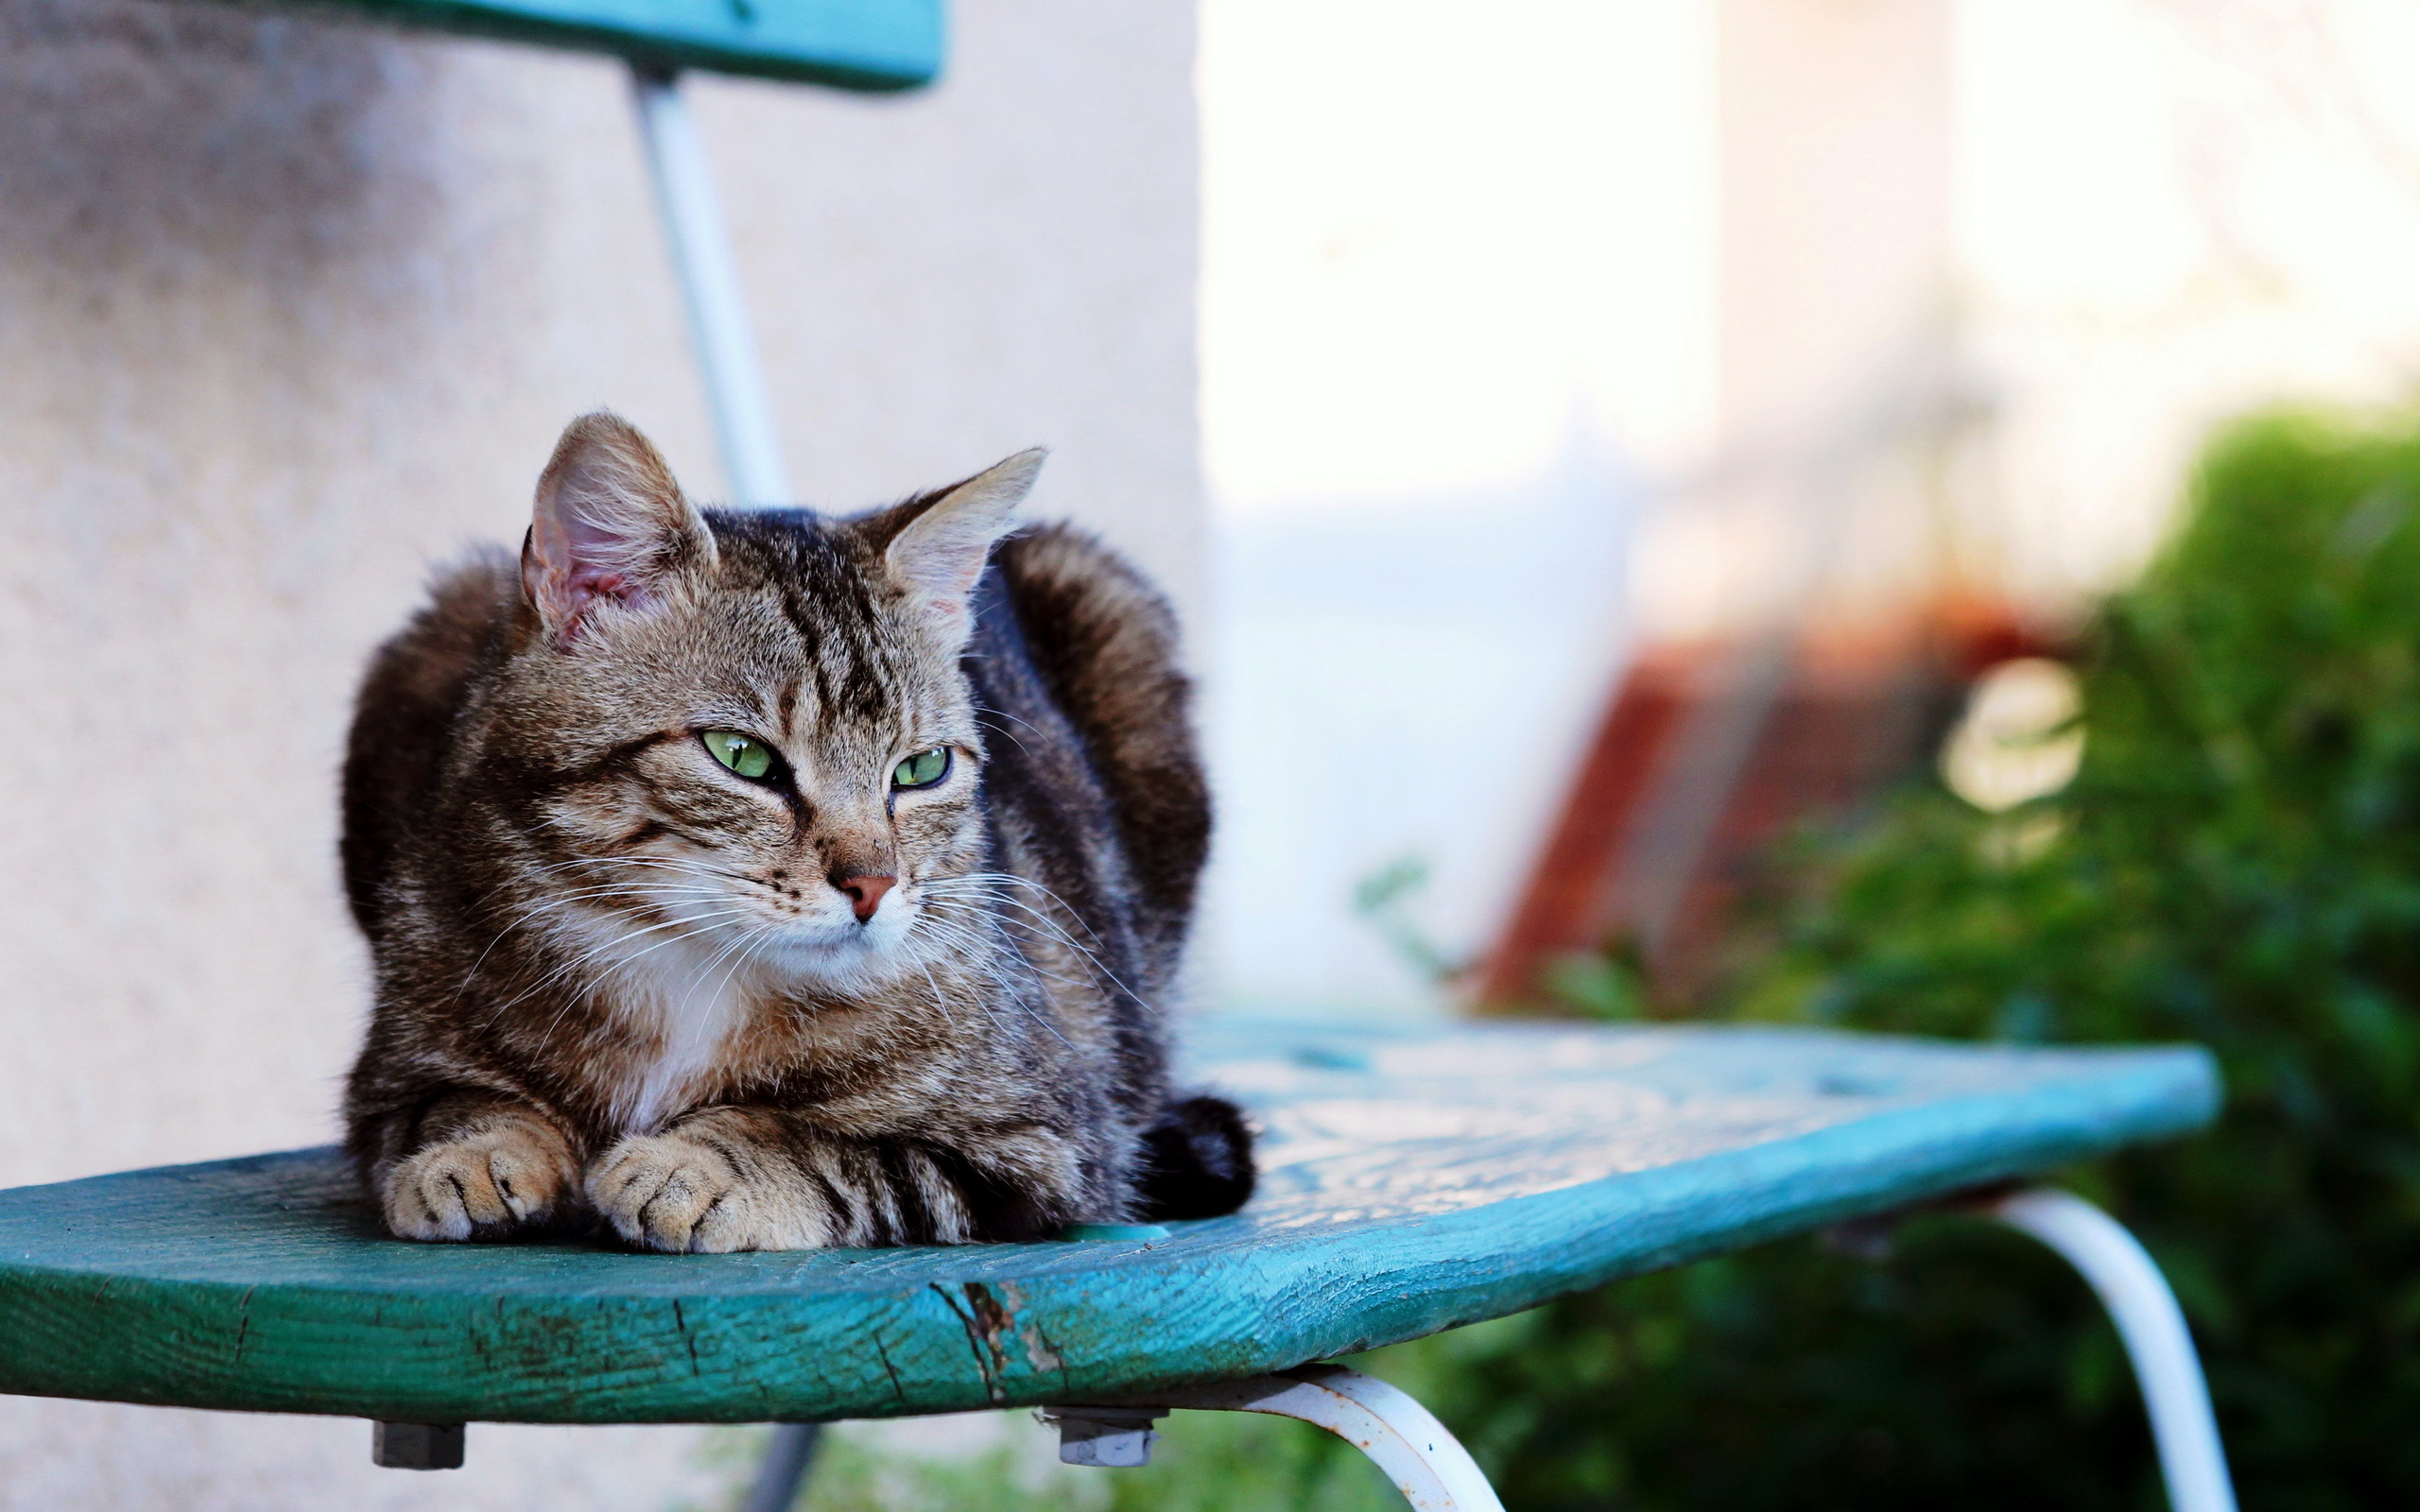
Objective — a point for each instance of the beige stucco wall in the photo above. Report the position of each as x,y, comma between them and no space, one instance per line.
289,312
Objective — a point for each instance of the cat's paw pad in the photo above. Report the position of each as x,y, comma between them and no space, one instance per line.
681,1195
481,1185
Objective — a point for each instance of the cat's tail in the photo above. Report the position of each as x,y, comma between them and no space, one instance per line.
1197,1161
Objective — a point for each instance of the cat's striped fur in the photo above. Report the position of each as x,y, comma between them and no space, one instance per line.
619,982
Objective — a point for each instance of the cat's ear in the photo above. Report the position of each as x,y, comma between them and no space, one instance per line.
610,525
937,556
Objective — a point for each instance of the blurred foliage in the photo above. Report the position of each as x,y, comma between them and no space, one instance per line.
1609,986
2237,863
1383,900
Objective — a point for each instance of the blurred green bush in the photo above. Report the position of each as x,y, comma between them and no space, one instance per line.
2237,863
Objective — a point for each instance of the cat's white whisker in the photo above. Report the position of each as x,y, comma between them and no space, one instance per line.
1058,934
593,956
996,943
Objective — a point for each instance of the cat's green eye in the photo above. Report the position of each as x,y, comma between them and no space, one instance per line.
745,754
923,769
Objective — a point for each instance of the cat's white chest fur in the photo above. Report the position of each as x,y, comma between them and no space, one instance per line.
679,1001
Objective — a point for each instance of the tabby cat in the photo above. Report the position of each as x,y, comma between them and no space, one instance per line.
767,881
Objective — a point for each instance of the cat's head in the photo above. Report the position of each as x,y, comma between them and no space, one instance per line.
745,733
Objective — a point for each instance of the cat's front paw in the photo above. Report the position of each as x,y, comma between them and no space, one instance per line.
483,1184
685,1195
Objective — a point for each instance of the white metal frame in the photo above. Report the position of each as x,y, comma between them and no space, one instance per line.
2130,1285
1427,1463
1437,1474
694,229
1424,1460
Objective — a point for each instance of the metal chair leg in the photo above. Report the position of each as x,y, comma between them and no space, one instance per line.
782,1474
2152,1326
1427,1464
693,228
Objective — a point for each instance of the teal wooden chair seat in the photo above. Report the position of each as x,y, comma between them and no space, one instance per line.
1414,1181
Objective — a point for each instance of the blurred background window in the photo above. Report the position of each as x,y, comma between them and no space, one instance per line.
1835,350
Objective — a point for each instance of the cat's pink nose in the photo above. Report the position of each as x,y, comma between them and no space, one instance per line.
865,893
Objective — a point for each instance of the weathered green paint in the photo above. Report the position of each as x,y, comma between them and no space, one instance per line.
1414,1181
858,44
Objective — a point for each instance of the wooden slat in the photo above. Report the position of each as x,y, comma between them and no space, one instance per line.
1414,1181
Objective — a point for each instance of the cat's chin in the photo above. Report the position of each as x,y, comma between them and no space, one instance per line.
835,958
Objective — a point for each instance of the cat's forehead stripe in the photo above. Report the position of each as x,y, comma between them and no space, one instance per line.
786,714
840,666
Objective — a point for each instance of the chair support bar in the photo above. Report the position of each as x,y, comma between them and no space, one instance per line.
1427,1464
2130,1285
1110,1439
694,229
788,1459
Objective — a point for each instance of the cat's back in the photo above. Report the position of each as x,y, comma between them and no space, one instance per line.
1104,643
405,715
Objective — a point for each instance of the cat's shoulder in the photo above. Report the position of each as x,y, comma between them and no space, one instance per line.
461,627
403,717
1104,640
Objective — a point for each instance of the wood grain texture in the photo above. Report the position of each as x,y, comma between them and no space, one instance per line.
1414,1181
856,45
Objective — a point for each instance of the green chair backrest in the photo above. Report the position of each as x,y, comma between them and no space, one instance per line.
856,45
